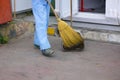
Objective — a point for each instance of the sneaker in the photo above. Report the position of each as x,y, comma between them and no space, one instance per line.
48,52
37,46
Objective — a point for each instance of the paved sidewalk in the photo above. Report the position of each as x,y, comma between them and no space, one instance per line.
19,60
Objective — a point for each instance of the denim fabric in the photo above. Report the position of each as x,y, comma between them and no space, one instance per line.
41,10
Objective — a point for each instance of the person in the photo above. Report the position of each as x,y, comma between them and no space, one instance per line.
41,11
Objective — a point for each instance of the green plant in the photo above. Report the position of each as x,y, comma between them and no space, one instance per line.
3,39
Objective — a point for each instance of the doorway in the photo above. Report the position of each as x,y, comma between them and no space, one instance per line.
92,6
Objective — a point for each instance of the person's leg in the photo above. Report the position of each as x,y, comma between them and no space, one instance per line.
36,41
48,14
40,12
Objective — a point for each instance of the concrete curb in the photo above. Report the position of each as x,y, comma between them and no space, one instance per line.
112,37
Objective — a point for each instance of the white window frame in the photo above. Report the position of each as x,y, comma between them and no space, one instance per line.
112,12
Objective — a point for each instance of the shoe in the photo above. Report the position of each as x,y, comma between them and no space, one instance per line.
37,46
48,52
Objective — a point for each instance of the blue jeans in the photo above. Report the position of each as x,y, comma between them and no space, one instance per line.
41,11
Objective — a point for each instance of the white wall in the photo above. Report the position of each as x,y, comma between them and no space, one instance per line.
119,12
57,5
21,5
